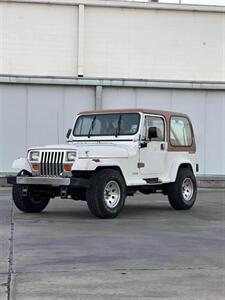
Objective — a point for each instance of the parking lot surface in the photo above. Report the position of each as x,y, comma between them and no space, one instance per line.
149,252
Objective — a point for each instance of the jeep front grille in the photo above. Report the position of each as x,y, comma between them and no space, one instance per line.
52,163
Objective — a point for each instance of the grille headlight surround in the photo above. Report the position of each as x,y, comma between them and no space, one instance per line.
71,156
34,156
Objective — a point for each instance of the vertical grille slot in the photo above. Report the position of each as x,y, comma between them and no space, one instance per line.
45,169
58,166
47,163
42,165
52,163
61,164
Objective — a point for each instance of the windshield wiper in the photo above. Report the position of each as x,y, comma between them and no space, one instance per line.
118,129
92,126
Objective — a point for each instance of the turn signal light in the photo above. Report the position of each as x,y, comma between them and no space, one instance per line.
96,160
67,167
36,167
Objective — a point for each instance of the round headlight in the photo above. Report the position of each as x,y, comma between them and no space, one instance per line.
71,156
34,156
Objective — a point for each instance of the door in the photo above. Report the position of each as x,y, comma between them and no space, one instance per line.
153,152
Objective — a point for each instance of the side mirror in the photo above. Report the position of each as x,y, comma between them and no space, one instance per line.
152,133
68,133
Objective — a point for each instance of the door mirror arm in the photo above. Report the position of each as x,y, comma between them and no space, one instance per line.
143,144
68,133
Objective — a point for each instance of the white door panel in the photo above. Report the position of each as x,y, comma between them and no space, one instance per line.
153,155
154,159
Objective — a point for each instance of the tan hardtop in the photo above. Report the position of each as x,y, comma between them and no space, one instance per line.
166,114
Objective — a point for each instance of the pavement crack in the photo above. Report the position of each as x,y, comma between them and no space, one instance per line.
117,270
10,258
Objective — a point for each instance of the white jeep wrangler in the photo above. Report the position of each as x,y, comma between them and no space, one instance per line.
111,154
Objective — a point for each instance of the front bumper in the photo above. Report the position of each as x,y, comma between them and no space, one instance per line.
48,181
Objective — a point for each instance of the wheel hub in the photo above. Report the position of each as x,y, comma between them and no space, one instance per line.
112,194
187,189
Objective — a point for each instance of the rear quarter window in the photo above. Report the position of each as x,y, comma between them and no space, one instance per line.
180,132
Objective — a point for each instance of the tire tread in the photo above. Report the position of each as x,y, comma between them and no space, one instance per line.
174,190
24,203
94,193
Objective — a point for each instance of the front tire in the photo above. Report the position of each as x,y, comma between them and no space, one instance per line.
182,193
29,203
106,194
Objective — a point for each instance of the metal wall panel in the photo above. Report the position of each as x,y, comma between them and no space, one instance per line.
32,115
37,115
153,98
76,100
193,104
214,133
119,98
13,121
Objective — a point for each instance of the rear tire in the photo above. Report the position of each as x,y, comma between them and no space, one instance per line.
182,193
29,203
106,194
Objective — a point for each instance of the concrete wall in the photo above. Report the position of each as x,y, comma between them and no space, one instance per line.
112,40
38,39
36,115
152,44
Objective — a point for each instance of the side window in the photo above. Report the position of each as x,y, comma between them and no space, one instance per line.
180,132
160,127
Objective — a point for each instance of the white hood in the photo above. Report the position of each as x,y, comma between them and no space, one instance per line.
95,150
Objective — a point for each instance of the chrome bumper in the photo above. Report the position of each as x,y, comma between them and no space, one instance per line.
43,181
52,181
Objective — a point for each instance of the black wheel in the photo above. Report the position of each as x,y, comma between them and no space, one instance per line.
182,193
106,194
29,203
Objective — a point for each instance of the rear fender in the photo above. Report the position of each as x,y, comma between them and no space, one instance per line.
175,168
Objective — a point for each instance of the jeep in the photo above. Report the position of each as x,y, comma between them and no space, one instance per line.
111,154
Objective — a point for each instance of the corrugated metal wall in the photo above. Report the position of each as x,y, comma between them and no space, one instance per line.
37,115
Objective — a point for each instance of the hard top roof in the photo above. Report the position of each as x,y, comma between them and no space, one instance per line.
164,113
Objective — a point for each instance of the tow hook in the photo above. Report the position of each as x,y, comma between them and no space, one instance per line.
25,191
63,192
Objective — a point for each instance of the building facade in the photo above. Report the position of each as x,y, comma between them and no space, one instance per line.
61,57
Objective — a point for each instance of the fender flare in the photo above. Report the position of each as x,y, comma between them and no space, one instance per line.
176,166
93,164
22,164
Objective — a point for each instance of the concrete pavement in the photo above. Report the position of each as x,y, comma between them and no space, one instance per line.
5,234
149,252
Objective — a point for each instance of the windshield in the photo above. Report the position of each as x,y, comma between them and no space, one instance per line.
107,124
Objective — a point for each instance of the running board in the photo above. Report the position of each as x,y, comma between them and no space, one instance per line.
152,180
